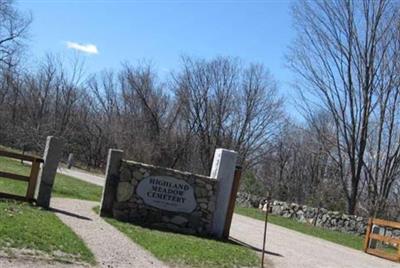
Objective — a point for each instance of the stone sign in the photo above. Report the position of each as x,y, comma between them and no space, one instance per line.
167,193
164,198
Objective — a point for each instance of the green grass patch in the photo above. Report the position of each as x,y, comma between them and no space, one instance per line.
345,239
23,226
186,250
64,186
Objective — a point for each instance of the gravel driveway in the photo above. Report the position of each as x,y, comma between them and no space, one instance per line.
110,247
97,179
288,248
82,175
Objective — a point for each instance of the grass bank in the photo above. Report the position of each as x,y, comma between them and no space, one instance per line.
185,250
345,239
23,226
64,186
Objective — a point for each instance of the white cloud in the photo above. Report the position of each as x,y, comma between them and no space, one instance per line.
86,48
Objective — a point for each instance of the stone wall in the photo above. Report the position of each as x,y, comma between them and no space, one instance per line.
332,220
247,200
164,198
322,217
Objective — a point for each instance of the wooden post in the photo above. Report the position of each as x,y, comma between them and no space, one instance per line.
265,234
368,232
33,180
398,252
232,201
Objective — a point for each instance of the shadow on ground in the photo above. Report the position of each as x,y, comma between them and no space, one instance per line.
69,214
238,242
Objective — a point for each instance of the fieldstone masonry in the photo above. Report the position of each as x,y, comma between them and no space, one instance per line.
322,217
140,186
164,198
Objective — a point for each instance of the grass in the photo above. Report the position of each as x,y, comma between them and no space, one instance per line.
23,226
345,239
64,186
77,164
185,250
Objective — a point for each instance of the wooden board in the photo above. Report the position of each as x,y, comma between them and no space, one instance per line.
386,239
382,254
386,223
14,176
20,156
12,196
31,179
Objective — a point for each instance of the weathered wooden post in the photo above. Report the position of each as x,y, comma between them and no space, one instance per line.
232,201
223,170
367,234
110,187
51,157
265,230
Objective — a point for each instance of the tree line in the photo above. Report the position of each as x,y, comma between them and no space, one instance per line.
343,153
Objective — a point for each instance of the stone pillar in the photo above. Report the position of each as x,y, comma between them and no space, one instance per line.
70,161
51,157
223,170
112,177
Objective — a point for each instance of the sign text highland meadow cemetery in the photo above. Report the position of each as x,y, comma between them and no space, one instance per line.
167,193
165,198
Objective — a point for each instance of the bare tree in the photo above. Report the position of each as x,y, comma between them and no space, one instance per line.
382,159
224,105
13,31
339,55
298,168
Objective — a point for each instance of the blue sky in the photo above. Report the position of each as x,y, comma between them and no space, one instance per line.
162,31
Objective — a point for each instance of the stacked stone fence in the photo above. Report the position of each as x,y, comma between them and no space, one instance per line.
248,200
319,217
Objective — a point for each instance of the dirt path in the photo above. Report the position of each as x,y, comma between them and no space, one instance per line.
82,175
288,248
110,247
